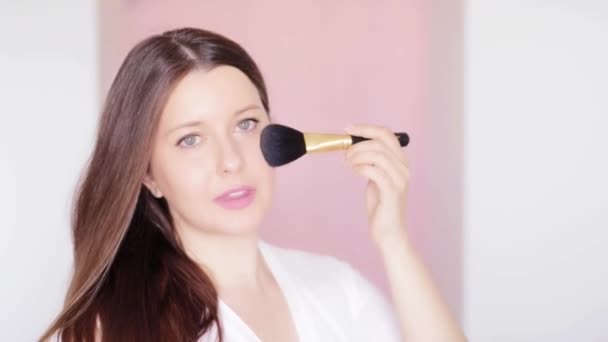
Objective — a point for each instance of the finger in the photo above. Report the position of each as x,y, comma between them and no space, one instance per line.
375,145
396,171
376,132
377,176
406,160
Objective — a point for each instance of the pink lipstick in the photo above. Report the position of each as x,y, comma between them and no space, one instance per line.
237,198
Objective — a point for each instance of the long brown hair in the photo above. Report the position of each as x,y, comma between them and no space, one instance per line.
131,273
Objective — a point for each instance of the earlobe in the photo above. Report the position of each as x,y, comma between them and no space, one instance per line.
149,183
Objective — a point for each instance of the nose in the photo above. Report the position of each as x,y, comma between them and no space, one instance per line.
230,159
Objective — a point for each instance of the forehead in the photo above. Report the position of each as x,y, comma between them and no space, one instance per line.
209,95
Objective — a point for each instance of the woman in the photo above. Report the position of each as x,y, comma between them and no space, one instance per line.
166,220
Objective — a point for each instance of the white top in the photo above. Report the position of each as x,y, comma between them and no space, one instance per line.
328,299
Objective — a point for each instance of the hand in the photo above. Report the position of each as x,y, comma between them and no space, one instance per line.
382,161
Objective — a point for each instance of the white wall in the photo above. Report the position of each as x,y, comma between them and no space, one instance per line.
48,107
441,181
536,166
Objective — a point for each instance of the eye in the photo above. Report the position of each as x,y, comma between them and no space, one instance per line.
189,141
248,124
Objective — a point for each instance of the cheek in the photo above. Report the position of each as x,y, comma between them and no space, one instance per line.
254,151
188,178
265,179
255,158
257,168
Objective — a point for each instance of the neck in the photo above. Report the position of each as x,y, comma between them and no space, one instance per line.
234,262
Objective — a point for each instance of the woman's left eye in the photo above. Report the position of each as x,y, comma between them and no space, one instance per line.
248,124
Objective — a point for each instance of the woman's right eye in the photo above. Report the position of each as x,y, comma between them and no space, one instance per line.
189,141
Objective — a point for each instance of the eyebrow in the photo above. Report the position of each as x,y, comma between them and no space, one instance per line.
199,122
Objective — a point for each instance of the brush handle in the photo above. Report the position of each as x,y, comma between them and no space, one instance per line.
404,139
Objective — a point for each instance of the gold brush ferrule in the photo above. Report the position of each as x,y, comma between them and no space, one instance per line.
321,142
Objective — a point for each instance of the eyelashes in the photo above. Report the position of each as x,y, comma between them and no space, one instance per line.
192,140
188,138
254,120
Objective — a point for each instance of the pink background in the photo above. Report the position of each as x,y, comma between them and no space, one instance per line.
327,64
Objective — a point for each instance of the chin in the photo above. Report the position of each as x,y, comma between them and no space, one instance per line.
238,226
242,221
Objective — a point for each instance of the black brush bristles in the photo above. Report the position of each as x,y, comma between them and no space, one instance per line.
281,144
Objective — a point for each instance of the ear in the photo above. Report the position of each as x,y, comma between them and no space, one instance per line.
152,187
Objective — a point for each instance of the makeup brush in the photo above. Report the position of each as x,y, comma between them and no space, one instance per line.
281,144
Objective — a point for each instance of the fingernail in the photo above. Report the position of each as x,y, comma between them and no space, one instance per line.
348,128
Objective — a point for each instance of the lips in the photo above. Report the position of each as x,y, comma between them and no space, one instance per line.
236,198
235,193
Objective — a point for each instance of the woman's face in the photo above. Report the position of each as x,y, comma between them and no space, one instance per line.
208,143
